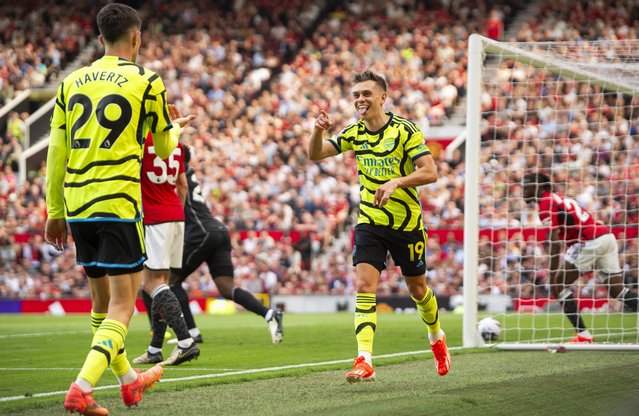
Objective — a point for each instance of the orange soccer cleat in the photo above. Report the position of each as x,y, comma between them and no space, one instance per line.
442,356
77,400
579,339
361,371
132,392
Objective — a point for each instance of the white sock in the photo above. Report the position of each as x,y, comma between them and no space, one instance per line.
585,334
194,332
434,337
84,385
153,350
185,343
368,357
129,377
268,315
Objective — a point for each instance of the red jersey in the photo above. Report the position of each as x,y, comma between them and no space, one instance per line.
160,202
573,222
494,27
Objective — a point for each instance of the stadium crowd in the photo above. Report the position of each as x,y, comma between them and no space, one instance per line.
38,39
256,87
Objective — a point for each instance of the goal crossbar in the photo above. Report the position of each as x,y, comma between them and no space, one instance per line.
554,65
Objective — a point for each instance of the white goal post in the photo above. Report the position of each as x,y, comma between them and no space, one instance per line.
571,110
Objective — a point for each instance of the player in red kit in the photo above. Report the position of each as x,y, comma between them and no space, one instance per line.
164,235
589,246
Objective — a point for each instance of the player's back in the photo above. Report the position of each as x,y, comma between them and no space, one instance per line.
106,109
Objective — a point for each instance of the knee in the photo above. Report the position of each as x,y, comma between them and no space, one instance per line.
226,290
225,285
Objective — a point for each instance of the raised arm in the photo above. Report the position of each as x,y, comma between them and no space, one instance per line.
318,147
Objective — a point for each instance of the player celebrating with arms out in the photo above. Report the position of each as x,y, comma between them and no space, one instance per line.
590,246
392,161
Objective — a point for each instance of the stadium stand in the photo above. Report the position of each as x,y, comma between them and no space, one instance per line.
256,86
38,39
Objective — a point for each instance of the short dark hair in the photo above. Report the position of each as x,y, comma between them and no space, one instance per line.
115,20
541,179
369,75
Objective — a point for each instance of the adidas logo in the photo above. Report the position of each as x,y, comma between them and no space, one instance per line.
420,263
106,343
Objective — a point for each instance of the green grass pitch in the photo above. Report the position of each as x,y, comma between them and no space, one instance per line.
241,373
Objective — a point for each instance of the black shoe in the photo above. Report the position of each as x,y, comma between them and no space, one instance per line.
180,355
148,358
275,326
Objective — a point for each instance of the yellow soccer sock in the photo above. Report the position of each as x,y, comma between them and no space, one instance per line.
365,320
121,367
96,320
429,311
120,364
107,341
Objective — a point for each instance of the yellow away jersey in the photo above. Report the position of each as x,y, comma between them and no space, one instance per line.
106,110
381,156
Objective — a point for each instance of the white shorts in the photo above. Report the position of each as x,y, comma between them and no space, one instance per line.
601,254
164,245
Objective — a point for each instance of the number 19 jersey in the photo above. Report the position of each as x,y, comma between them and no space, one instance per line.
381,156
107,109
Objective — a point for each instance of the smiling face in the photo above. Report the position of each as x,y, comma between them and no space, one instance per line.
368,98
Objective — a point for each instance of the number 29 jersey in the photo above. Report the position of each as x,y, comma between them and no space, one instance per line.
106,109
573,222
160,202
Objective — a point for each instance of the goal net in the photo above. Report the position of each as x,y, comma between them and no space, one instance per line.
569,110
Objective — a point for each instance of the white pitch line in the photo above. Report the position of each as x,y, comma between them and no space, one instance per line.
38,334
230,373
78,369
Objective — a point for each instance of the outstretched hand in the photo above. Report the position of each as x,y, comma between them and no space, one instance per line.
323,121
176,116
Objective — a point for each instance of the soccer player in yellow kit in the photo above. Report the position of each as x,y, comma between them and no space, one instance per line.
101,117
392,161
